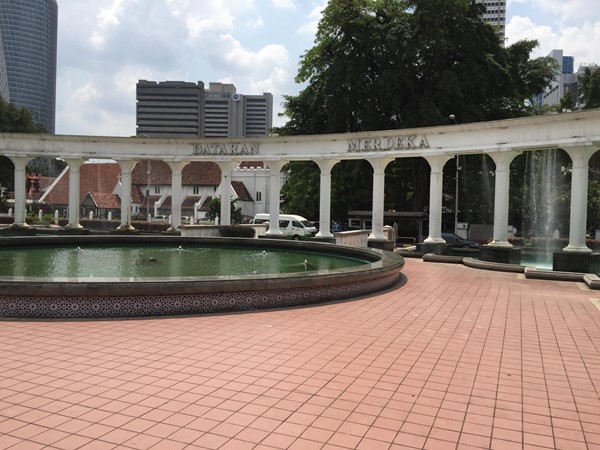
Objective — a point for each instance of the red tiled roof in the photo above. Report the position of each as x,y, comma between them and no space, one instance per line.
197,173
241,192
190,200
105,201
94,177
136,195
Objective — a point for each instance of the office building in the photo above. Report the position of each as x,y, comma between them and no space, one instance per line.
564,81
169,108
495,15
185,109
28,34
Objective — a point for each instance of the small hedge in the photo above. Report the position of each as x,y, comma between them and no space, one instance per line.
237,231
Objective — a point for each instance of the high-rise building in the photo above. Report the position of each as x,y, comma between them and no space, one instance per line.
565,80
28,32
185,109
495,14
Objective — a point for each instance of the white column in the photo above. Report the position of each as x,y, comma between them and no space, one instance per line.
74,194
126,168
226,190
501,189
20,163
325,197
274,195
379,166
580,157
436,178
176,192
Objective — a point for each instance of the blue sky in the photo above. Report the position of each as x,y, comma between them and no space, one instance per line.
105,46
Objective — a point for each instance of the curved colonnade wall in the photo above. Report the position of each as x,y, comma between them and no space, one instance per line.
578,133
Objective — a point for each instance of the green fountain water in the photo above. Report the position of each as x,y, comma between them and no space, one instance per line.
161,261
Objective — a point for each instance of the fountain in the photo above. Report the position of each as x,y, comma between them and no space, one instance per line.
176,287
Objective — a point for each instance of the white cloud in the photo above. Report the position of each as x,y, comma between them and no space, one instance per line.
565,10
286,4
106,18
242,58
255,23
573,40
314,16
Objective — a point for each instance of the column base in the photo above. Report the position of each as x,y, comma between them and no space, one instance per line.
382,244
123,230
576,262
439,248
19,226
504,255
73,226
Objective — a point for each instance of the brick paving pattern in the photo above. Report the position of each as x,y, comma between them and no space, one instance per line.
455,358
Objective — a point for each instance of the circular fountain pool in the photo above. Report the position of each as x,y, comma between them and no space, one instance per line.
121,276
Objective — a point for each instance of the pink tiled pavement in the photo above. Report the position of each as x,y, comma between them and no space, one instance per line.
456,358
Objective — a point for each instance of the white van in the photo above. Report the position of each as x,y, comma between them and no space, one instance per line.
290,225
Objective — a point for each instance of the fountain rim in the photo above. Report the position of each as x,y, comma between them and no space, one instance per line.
168,296
373,257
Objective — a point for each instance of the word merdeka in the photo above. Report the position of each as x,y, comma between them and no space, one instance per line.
388,143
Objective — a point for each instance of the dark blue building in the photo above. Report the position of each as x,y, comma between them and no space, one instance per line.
28,31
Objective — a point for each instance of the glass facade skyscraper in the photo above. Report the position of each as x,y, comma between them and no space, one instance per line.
28,33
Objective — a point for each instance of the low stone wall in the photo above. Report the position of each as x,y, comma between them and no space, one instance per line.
356,238
213,230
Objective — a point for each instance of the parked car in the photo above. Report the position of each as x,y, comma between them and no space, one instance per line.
160,218
454,240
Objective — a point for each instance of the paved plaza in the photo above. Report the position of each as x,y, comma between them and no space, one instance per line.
454,358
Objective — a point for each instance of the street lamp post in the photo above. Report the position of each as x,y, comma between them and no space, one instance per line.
452,119
458,169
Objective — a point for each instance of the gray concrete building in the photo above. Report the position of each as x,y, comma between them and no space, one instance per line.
185,109
28,36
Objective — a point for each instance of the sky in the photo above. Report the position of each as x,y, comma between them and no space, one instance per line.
106,46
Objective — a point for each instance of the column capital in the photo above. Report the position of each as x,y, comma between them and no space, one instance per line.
326,164
580,156
503,159
275,166
227,166
126,165
177,166
379,164
20,162
437,162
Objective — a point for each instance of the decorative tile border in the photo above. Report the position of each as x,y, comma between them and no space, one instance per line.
136,306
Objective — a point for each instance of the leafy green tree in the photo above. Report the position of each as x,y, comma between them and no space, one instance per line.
385,64
13,120
590,87
214,210
567,103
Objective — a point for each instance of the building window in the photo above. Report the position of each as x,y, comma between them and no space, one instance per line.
157,189
259,196
196,190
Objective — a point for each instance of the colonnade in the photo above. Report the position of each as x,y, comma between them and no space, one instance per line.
579,155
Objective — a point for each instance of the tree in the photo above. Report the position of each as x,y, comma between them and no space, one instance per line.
13,120
214,210
590,87
385,64
567,103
